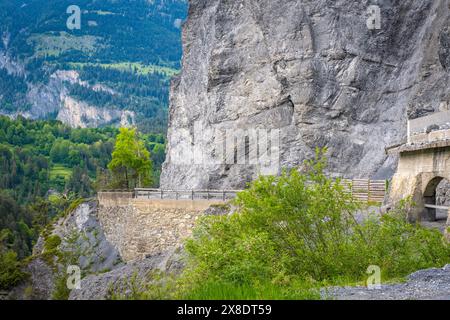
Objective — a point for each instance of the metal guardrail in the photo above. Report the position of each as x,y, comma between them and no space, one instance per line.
141,193
363,190
431,206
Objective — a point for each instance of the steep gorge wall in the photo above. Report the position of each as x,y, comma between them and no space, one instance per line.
312,69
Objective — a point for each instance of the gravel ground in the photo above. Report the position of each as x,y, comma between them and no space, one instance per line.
438,224
430,284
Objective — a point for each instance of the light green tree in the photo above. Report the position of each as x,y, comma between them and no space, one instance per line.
130,166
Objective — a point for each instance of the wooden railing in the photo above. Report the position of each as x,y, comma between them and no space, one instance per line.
366,190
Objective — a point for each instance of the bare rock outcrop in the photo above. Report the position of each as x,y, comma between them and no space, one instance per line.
82,237
311,69
121,282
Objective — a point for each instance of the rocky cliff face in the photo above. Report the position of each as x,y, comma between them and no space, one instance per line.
134,276
312,69
83,238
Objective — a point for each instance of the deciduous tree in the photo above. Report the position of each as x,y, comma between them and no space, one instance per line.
130,165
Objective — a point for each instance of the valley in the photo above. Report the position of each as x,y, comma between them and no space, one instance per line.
224,150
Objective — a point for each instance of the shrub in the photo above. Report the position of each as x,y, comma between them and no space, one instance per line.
297,232
51,250
400,248
153,286
10,270
52,242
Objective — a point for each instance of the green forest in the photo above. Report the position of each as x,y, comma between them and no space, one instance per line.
47,165
131,52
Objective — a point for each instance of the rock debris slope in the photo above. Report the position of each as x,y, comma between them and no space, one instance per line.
430,284
314,70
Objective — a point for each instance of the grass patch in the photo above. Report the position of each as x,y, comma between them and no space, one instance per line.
60,171
265,291
50,45
132,67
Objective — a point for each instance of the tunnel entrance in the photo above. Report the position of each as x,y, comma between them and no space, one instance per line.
436,199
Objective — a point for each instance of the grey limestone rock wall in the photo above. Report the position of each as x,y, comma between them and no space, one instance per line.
313,70
120,282
83,236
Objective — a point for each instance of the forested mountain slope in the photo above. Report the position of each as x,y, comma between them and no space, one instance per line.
115,69
45,166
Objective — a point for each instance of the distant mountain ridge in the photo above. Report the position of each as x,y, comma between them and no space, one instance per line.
114,70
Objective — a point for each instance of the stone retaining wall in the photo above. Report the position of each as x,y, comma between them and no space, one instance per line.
144,227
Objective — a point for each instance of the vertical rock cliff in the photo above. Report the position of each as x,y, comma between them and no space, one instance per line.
312,69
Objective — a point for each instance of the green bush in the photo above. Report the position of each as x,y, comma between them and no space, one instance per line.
52,242
61,291
153,286
10,270
400,248
51,250
297,232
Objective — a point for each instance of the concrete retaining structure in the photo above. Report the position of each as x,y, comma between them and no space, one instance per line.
143,227
421,124
420,169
